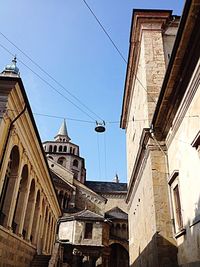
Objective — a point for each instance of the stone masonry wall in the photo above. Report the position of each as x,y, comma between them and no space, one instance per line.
142,224
14,252
150,237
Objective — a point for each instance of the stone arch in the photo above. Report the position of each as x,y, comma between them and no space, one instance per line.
65,148
60,149
55,149
9,185
36,218
50,148
62,161
20,199
119,256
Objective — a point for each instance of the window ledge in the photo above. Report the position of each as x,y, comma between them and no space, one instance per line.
180,233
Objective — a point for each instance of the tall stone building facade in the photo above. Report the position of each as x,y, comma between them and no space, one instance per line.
161,116
93,229
29,208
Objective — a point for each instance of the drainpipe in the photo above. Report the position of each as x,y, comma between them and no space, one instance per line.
167,163
8,135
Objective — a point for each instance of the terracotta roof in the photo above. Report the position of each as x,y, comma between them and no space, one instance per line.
106,187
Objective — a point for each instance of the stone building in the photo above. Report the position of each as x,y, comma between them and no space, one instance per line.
29,208
66,153
161,116
94,224
49,215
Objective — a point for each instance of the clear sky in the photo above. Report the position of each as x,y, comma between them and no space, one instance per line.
64,39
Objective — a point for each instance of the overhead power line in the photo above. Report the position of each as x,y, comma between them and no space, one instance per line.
107,34
50,76
50,85
115,46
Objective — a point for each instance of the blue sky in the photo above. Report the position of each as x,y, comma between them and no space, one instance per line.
65,40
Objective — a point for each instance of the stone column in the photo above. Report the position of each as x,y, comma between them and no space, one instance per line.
37,231
41,227
15,185
49,235
45,232
31,216
24,206
52,235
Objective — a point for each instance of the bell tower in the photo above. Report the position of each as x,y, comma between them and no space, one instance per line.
66,153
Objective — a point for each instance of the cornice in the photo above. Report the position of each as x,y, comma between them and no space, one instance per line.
186,102
157,18
139,162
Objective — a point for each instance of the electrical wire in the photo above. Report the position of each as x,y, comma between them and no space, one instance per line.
86,121
50,76
55,116
50,85
105,155
115,46
99,160
107,34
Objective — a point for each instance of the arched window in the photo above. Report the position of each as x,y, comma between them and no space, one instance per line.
65,148
55,149
50,148
60,198
62,161
75,163
74,149
118,226
70,151
20,199
9,185
65,202
60,148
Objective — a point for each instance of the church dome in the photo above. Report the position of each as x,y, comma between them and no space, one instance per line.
12,68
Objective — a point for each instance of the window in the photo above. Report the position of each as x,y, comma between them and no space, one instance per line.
60,148
62,161
176,202
177,207
75,163
88,231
